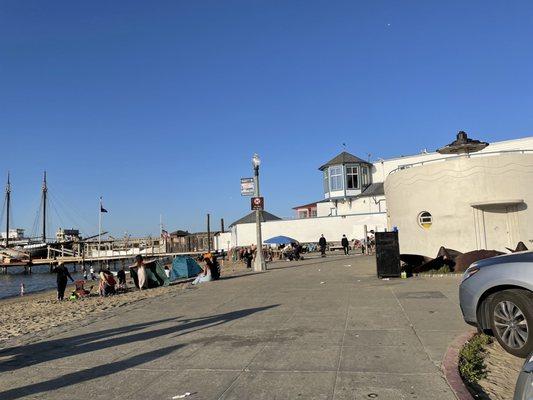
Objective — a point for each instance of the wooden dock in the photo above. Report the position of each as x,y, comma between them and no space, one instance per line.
88,260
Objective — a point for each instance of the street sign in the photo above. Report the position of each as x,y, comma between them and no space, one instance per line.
258,203
247,187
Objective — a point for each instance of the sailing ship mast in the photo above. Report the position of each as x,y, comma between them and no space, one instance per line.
8,204
45,190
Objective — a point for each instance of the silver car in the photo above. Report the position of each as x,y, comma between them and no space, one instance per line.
496,295
524,385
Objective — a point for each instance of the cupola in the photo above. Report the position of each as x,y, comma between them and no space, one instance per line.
345,176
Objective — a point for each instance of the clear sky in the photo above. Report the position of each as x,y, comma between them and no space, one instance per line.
158,106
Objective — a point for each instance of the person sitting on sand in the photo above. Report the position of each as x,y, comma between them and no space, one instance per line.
121,276
62,275
205,275
107,283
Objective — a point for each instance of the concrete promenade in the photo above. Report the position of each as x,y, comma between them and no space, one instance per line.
316,329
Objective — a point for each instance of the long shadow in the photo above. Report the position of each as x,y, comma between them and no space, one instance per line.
87,374
33,354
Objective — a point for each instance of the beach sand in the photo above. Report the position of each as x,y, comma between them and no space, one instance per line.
37,312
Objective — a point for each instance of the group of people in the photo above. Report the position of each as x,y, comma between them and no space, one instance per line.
366,244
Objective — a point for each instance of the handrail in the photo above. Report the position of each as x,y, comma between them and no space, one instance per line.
406,166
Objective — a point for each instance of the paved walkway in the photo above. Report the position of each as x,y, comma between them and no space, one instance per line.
317,329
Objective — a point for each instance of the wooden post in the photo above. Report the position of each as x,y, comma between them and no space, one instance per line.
208,233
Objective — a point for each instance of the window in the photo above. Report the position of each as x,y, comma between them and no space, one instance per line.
313,213
302,214
326,181
352,177
365,176
425,219
335,178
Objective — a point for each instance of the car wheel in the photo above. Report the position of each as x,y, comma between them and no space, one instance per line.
511,320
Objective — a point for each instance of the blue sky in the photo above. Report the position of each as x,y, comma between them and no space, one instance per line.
158,106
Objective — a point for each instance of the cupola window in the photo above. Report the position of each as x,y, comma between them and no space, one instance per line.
352,177
335,178
326,181
365,176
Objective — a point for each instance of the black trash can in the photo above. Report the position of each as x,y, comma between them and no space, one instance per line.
387,255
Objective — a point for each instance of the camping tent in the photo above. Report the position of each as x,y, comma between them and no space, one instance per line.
184,267
155,274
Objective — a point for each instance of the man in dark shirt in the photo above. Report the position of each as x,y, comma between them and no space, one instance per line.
322,243
62,275
345,245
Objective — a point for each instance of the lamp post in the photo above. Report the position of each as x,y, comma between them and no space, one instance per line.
259,260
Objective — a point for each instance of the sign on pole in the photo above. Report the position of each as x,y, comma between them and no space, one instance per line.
258,203
247,187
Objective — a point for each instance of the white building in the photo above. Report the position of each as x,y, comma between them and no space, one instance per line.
464,195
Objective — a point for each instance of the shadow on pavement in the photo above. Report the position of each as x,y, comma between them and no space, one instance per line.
33,354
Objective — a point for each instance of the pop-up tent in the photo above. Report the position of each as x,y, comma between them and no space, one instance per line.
280,240
155,274
184,267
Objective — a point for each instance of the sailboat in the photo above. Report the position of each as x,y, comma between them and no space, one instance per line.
39,249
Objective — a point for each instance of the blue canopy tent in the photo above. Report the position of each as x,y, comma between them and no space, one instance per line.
280,240
184,267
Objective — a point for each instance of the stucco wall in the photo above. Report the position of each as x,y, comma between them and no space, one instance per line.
448,189
310,229
367,204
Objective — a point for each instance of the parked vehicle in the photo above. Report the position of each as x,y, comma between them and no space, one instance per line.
496,295
524,385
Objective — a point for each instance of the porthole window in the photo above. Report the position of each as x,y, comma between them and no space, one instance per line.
425,219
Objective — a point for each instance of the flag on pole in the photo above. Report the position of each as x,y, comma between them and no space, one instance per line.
102,209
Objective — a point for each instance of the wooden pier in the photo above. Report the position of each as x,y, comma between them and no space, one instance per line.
27,265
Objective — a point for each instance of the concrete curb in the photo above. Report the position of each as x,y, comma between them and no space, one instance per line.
451,369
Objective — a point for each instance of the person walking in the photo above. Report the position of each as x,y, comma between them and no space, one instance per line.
62,276
322,243
345,245
141,272
248,257
91,270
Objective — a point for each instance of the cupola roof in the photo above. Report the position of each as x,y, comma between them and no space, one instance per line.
344,158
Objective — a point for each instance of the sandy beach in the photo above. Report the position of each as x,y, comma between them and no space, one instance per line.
40,311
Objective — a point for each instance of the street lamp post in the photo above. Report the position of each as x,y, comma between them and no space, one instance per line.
259,260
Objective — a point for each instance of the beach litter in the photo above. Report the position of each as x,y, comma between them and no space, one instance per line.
181,396
322,282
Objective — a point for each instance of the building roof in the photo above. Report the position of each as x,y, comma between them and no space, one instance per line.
179,233
374,189
343,158
250,218
310,205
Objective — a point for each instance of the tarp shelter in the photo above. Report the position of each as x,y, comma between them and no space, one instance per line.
155,274
184,267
